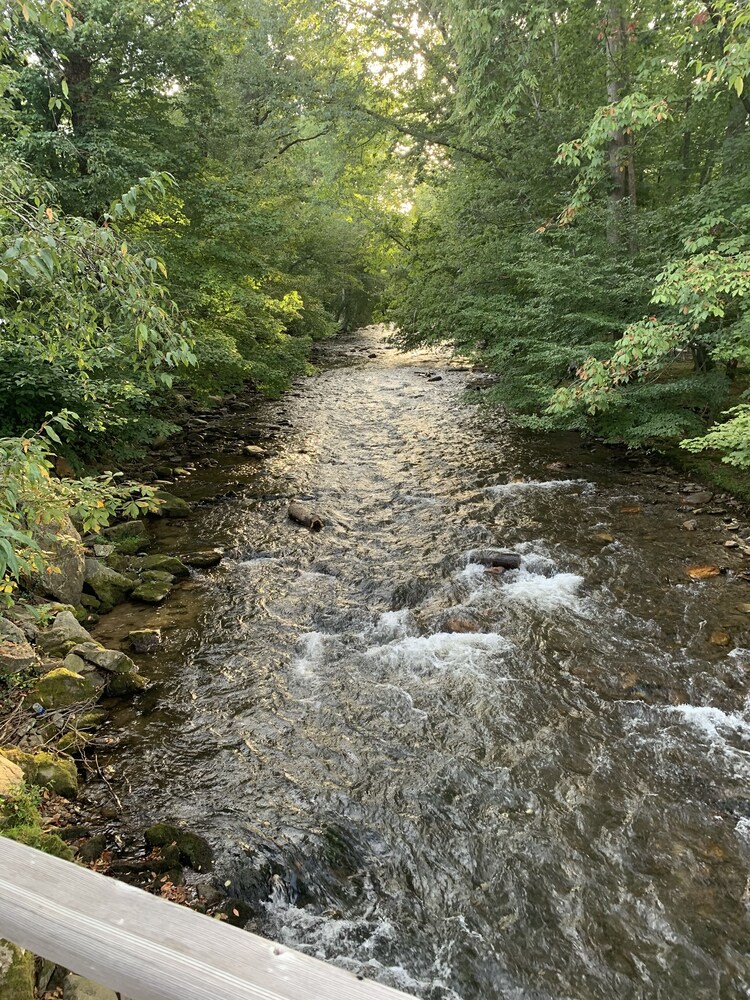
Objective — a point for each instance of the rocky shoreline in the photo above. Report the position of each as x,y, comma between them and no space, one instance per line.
61,687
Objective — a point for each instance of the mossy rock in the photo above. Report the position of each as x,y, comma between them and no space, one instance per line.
112,661
62,688
123,685
65,633
46,770
171,506
73,743
40,840
152,591
125,530
156,576
16,972
107,584
93,718
195,850
166,564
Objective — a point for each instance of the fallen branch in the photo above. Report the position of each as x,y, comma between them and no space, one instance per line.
309,519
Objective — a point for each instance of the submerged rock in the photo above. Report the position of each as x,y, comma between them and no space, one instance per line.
204,560
495,558
195,850
145,640
171,506
254,451
123,685
153,591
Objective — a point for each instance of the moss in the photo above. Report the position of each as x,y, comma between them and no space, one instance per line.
16,972
21,821
46,770
40,840
62,688
128,545
166,564
152,591
194,849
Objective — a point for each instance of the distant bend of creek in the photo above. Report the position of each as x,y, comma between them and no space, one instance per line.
553,807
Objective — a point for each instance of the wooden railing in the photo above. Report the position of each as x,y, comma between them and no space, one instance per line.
148,949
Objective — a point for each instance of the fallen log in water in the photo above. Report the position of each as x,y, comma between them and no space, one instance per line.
306,517
495,558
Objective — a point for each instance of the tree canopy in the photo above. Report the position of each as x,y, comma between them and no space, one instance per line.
193,192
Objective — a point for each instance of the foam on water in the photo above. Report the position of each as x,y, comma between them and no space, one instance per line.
443,651
714,724
392,625
472,573
359,945
549,593
527,485
312,652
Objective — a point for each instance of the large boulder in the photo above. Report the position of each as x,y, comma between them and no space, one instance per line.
107,584
62,576
66,632
46,770
11,776
16,972
63,688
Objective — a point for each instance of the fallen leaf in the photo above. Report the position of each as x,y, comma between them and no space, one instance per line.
719,638
702,572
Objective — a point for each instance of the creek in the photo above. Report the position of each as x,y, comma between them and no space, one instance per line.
553,806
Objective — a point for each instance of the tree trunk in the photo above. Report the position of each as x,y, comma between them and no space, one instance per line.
614,37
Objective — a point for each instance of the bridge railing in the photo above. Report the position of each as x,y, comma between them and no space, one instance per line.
149,949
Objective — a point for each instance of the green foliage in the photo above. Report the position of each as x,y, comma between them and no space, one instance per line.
589,285
31,497
21,820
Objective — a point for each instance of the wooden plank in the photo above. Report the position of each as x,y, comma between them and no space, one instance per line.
150,949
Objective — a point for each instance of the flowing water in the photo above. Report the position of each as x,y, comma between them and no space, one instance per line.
554,806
